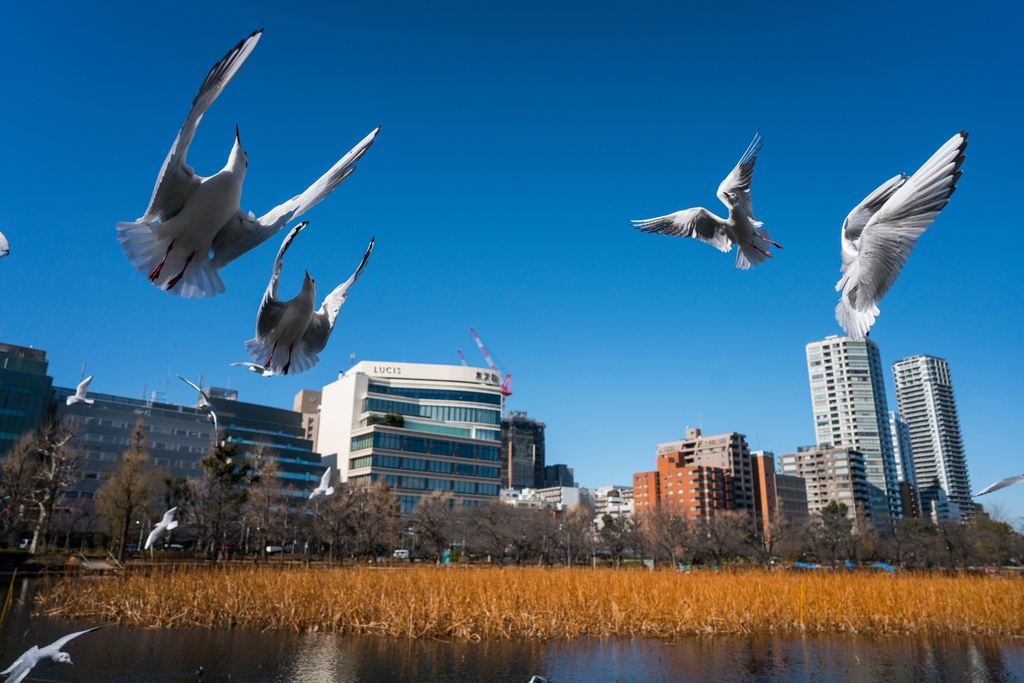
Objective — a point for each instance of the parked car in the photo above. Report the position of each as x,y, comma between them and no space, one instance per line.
175,546
274,549
400,554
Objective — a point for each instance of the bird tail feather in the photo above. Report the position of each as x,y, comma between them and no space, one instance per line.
146,248
748,256
329,491
302,356
855,323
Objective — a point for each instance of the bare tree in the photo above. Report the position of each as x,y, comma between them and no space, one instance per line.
434,519
374,515
333,521
577,534
217,501
265,506
723,534
17,474
126,496
58,466
670,533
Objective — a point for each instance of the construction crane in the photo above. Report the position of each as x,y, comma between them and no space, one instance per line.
506,384
462,358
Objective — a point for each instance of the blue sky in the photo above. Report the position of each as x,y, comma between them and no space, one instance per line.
518,140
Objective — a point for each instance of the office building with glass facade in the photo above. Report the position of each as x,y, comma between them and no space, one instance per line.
522,445
418,427
24,392
178,437
850,410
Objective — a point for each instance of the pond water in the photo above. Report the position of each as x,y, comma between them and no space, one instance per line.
118,655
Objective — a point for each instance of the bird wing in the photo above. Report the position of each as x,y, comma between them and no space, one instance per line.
245,232
201,392
322,323
169,515
216,423
738,180
56,645
254,367
891,234
271,309
325,480
855,221
1009,481
698,223
19,674
5,246
177,181
26,656
83,387
153,535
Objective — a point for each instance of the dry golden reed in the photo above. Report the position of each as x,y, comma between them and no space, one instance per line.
429,602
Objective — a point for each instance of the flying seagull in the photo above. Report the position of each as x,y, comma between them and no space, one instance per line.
293,326
324,488
1002,484
879,234
34,655
254,367
740,228
5,246
80,393
166,524
194,226
206,407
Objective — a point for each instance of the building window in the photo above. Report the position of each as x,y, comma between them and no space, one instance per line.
465,450
390,461
440,467
489,453
465,487
362,442
418,464
487,489
439,484
360,462
418,483
465,470
392,442
438,447
415,444
409,503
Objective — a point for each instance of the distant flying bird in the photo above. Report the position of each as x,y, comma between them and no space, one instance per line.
194,226
166,524
254,367
80,393
538,679
206,407
740,228
5,246
324,488
879,234
1002,484
34,655
293,326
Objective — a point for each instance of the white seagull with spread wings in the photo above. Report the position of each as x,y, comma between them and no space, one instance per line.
194,226
206,407
19,670
293,327
80,393
254,367
325,487
166,524
879,234
740,228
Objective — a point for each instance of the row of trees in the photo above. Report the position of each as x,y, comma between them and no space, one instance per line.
240,502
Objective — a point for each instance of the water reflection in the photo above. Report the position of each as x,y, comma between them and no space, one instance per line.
122,655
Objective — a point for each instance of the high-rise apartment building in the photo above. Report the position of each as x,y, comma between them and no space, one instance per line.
830,475
904,455
850,410
726,451
792,494
691,491
924,393
443,434
24,392
522,443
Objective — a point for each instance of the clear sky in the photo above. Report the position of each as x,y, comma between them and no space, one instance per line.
518,140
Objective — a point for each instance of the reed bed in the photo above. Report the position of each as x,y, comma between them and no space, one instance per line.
428,602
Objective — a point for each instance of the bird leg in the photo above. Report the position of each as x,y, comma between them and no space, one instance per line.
156,271
270,357
289,363
775,244
174,280
762,251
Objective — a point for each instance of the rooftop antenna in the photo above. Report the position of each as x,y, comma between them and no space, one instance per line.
145,387
83,371
351,360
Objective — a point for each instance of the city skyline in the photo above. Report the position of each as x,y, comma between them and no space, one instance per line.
515,148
